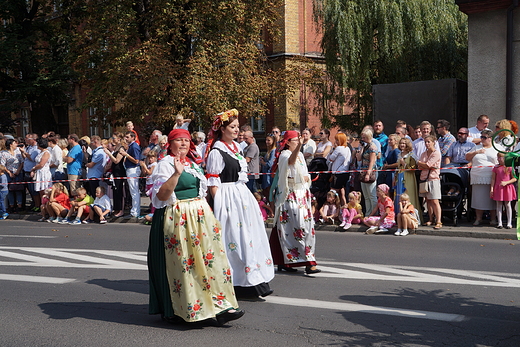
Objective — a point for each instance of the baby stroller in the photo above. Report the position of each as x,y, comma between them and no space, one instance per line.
320,181
454,189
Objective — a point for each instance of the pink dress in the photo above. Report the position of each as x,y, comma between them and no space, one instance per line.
261,204
507,193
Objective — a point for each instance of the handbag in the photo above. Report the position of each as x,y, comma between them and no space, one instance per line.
424,187
371,178
16,187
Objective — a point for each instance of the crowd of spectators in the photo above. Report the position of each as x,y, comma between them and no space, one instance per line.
401,159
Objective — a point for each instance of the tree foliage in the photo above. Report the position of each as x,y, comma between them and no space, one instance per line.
161,57
390,41
32,63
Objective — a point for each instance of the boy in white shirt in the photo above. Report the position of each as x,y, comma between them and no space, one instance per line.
101,206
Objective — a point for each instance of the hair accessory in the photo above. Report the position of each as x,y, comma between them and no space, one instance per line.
223,117
383,187
335,192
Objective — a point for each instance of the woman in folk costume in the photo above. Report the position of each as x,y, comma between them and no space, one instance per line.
293,241
244,236
190,276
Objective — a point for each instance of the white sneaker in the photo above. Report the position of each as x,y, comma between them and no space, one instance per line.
58,220
381,230
371,230
347,226
398,232
342,224
404,232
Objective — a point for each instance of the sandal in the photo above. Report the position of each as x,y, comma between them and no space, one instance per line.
427,224
437,226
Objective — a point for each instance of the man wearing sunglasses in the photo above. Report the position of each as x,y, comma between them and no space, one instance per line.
457,152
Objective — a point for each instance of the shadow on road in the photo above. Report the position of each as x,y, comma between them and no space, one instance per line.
113,312
135,286
485,324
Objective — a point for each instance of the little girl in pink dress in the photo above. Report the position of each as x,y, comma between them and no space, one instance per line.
502,190
353,213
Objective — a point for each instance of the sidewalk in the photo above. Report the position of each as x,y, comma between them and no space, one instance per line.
464,229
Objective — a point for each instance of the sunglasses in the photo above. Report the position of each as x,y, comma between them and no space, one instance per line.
463,133
321,133
484,137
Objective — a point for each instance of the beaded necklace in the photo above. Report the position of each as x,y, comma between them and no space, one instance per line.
234,150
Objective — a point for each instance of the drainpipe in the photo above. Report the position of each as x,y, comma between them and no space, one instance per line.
509,60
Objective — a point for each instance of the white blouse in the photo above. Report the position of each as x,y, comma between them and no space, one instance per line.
215,164
163,171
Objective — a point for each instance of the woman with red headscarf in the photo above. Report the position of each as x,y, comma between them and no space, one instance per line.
190,276
294,239
236,208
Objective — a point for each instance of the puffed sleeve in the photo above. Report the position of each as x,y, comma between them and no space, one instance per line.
162,172
214,166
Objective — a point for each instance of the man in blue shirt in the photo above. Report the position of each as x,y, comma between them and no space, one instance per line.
133,171
96,167
457,152
74,159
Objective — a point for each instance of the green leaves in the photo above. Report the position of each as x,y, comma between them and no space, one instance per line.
391,41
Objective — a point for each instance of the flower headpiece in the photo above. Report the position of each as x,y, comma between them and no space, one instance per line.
223,117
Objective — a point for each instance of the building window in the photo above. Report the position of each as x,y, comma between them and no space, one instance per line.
25,122
107,126
258,123
93,121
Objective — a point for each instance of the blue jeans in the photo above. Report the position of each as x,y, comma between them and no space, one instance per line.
15,196
3,194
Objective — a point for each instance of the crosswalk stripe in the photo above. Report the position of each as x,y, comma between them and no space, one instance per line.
350,307
36,279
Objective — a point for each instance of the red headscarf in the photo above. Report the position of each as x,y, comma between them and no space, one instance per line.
288,135
184,134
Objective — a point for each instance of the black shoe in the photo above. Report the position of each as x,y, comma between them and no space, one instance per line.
269,292
173,319
228,316
286,268
499,227
309,270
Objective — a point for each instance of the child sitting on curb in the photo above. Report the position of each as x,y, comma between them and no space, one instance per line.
101,207
81,206
385,205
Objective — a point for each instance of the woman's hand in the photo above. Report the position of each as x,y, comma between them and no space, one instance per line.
504,183
178,165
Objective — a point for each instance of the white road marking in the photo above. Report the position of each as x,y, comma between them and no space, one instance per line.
405,274
30,236
134,260
72,258
351,307
36,279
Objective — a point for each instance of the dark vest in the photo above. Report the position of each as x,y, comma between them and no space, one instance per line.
231,169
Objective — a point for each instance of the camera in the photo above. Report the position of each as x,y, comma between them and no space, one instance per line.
21,145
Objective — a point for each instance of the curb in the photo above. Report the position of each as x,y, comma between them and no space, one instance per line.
468,231
35,217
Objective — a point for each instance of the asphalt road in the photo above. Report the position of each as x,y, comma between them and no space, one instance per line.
87,286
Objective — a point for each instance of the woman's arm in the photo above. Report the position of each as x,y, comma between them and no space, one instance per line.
168,187
371,163
294,154
43,161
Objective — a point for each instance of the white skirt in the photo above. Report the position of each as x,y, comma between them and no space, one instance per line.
480,199
244,236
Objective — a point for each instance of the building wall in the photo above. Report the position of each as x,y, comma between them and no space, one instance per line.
487,49
487,35
299,37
